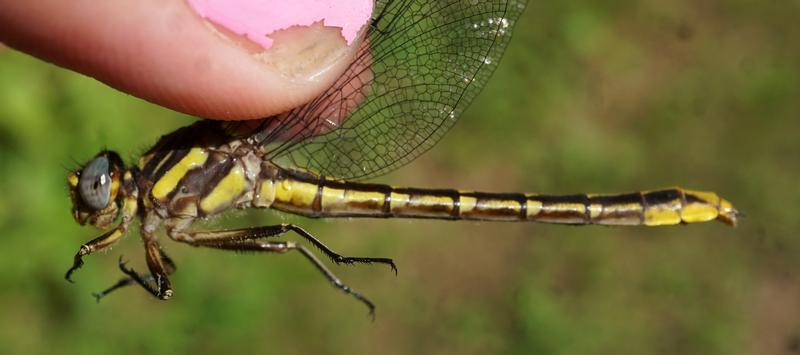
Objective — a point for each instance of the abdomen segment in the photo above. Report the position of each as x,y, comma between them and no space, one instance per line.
312,196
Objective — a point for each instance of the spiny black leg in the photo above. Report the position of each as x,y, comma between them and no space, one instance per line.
335,280
282,247
127,281
158,268
77,262
96,244
142,281
335,257
160,287
273,231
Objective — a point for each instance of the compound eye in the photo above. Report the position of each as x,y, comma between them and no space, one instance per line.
95,183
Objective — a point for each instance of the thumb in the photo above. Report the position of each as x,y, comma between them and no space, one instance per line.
164,52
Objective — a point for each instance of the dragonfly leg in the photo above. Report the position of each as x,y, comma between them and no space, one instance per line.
94,245
123,282
282,247
176,232
157,283
127,281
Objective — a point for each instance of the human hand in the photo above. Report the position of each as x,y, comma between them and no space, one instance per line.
177,54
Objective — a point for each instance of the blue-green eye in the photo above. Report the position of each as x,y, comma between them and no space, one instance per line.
95,183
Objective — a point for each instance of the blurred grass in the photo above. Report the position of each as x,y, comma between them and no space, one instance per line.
591,96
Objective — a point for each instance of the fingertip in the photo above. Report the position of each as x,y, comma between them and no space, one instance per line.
165,53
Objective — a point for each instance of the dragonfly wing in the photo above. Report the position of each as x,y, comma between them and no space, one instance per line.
420,66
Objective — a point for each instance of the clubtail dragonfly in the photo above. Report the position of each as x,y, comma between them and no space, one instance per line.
427,60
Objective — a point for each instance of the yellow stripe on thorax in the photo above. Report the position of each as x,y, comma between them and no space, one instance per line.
195,158
226,191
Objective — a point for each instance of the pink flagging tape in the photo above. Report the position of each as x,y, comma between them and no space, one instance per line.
256,19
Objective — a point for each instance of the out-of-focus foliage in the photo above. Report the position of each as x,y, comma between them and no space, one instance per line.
592,96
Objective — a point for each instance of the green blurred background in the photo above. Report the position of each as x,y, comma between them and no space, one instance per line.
592,96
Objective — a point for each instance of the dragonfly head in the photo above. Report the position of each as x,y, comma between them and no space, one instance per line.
94,189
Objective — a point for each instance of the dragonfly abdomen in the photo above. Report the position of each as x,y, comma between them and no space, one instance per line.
313,196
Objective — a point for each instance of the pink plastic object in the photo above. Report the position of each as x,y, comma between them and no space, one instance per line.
256,19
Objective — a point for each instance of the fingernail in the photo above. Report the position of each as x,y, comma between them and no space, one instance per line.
256,20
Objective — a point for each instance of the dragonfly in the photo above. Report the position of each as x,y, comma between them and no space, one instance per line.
427,60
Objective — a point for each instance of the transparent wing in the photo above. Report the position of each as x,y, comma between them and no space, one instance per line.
420,66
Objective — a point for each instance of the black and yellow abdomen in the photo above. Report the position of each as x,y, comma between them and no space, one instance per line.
313,196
